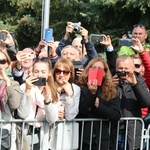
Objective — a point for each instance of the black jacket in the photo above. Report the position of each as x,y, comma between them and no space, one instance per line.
107,110
133,98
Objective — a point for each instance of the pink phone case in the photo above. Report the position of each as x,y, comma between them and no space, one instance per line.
96,73
100,76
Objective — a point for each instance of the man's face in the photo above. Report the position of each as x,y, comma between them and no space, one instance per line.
77,44
125,66
140,33
70,53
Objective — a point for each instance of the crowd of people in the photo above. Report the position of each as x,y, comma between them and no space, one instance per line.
43,83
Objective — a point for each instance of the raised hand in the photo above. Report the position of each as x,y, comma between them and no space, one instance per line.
84,33
106,41
69,30
67,88
137,46
92,86
29,83
4,77
9,40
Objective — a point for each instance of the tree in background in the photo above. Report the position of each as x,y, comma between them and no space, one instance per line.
99,16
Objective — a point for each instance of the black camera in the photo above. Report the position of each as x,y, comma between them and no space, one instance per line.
121,74
76,27
125,42
77,65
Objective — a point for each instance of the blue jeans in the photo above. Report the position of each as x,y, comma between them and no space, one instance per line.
121,141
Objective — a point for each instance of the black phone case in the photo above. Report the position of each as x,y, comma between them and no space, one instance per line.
40,82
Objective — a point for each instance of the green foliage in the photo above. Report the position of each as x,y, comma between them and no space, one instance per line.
111,17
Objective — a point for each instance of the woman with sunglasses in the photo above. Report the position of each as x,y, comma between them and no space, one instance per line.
39,99
69,92
9,100
98,100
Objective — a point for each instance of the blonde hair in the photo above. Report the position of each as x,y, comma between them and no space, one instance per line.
67,64
108,88
6,55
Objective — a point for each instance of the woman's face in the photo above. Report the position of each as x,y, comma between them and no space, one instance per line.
3,61
27,63
41,70
99,65
62,74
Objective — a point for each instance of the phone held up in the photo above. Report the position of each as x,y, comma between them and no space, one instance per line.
48,35
40,82
77,65
125,42
2,36
29,55
96,74
96,38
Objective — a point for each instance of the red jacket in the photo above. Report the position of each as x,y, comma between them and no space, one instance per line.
145,57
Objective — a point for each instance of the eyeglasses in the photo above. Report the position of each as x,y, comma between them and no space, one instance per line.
65,72
137,65
41,59
139,25
3,61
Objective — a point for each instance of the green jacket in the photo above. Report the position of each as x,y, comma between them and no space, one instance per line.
126,50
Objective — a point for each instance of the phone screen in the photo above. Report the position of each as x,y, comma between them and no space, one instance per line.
48,35
2,36
96,74
96,38
40,82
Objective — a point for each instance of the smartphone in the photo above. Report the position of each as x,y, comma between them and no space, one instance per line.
48,35
125,42
100,76
96,38
2,36
96,74
30,55
40,82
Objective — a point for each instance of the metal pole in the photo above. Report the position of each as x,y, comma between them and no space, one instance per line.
45,17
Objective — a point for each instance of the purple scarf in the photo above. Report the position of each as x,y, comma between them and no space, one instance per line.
2,94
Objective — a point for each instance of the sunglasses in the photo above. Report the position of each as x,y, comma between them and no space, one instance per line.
65,72
3,61
137,65
139,25
41,59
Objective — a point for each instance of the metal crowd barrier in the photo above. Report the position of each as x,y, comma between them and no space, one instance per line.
147,138
76,134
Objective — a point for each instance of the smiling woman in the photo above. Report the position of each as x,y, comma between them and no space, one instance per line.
69,92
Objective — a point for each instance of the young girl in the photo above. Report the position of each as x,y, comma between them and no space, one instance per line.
39,100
